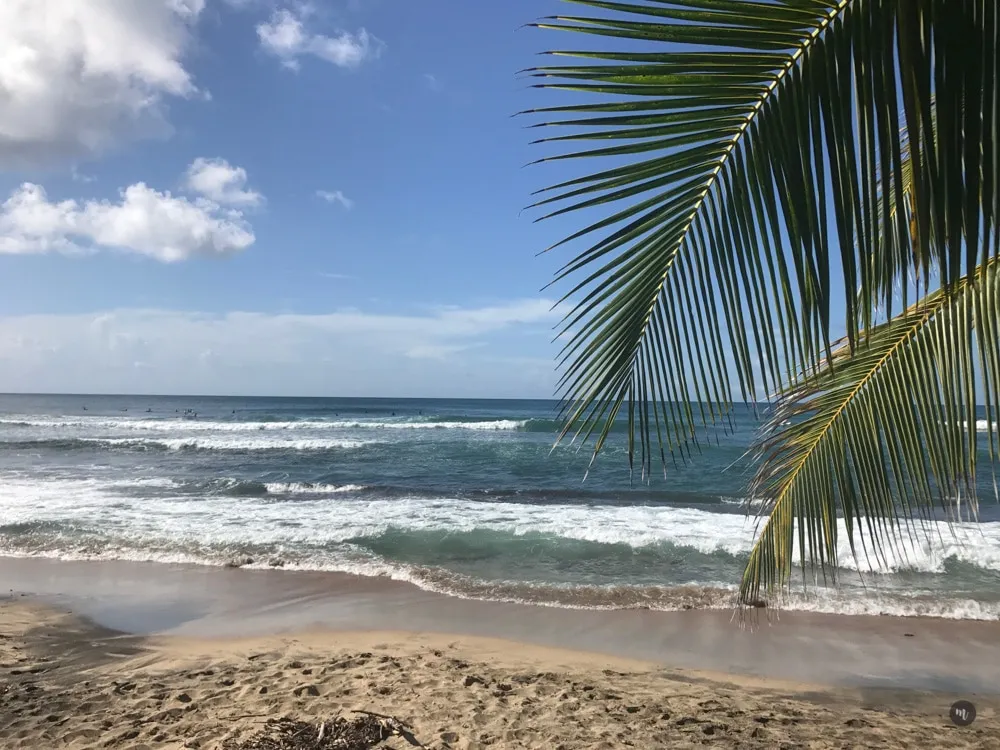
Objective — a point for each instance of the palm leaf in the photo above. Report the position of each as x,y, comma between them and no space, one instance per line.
880,439
755,154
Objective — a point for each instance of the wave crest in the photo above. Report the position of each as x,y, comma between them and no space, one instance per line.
189,444
194,425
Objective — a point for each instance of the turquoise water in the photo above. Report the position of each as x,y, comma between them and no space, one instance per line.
464,497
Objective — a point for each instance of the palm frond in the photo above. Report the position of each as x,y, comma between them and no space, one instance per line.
881,438
755,155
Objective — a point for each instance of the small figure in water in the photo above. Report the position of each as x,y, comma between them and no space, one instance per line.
149,411
85,408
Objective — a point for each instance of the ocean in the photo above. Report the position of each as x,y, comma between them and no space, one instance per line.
463,497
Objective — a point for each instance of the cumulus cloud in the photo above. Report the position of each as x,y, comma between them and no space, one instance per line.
218,181
286,37
352,352
336,196
143,221
77,77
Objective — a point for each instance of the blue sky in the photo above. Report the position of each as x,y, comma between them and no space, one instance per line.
270,197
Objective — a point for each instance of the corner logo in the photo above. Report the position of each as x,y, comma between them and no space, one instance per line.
962,713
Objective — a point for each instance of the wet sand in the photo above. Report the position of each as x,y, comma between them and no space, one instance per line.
195,601
465,674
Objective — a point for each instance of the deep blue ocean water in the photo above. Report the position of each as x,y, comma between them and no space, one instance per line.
463,497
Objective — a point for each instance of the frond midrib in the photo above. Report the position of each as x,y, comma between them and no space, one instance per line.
916,324
765,96
926,311
778,78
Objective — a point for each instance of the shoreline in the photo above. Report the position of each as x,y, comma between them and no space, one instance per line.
856,651
720,597
70,683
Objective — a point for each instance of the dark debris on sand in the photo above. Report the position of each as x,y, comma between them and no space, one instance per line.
362,733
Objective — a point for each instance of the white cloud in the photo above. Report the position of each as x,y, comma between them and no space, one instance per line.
433,82
78,77
144,221
218,181
286,37
350,352
80,177
336,196
436,351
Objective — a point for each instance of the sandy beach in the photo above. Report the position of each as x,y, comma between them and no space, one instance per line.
67,681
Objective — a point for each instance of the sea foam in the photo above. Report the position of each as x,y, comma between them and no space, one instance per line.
195,425
209,519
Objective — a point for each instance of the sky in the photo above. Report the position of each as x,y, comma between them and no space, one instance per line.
274,197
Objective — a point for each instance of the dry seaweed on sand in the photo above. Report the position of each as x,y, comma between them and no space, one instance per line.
362,733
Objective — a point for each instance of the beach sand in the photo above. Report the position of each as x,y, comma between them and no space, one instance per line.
68,683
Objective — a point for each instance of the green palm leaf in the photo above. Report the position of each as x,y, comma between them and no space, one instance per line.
751,145
777,175
880,439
